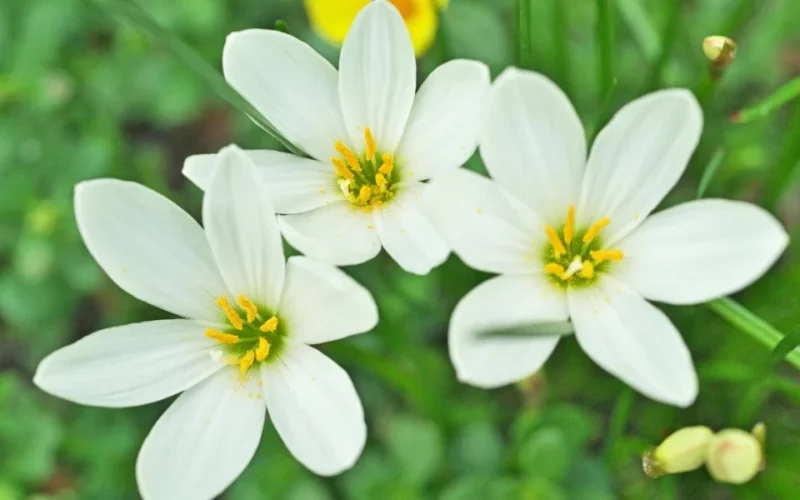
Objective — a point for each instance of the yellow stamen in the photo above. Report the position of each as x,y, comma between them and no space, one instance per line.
588,270
233,316
270,325
349,156
262,350
222,337
249,307
596,227
364,194
388,164
557,270
380,181
558,246
341,168
370,140
569,227
603,255
246,361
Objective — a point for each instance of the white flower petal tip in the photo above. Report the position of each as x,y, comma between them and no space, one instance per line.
634,341
198,169
700,250
502,302
315,409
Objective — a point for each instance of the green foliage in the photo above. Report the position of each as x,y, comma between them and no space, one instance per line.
83,96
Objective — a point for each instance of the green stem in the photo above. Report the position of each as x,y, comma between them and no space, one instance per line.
774,102
561,44
788,161
709,171
524,52
618,421
605,41
747,322
668,39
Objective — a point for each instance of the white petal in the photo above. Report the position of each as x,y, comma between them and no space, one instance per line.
242,230
149,246
315,409
291,85
129,365
377,76
442,131
489,228
503,302
407,232
699,251
634,341
338,234
532,142
321,303
637,158
204,441
294,184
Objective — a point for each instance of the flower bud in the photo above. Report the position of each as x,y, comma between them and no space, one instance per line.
734,456
720,50
682,451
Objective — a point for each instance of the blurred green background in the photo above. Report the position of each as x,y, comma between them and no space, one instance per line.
84,96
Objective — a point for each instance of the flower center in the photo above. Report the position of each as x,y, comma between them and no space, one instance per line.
406,7
368,182
254,339
573,258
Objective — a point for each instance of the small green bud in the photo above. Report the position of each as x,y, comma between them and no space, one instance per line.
734,456
682,451
720,50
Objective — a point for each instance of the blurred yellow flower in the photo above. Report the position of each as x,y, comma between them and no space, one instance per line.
332,19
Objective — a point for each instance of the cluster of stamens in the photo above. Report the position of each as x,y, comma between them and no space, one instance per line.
575,258
366,183
254,335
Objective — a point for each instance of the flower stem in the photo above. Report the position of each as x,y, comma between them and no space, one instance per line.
524,52
605,41
561,42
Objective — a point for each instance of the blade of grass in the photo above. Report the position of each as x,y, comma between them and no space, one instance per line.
788,344
745,321
603,113
618,422
130,13
524,52
668,39
709,171
788,161
634,15
605,42
779,98
561,44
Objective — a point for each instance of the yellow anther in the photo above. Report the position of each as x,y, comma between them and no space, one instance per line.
246,361
388,164
594,229
341,168
603,255
262,350
588,270
569,227
233,316
557,270
558,246
270,325
380,181
222,337
364,194
249,307
370,140
349,156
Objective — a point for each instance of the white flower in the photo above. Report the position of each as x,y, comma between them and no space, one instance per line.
244,348
574,239
371,140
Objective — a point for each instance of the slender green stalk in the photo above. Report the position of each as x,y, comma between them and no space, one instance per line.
618,421
779,98
668,38
561,44
747,322
130,13
788,161
524,52
603,113
605,42
788,344
709,171
635,17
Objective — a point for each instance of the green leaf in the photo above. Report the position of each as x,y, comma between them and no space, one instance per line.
129,12
788,344
478,448
636,18
418,448
461,25
766,107
524,46
605,47
546,454
709,171
747,322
